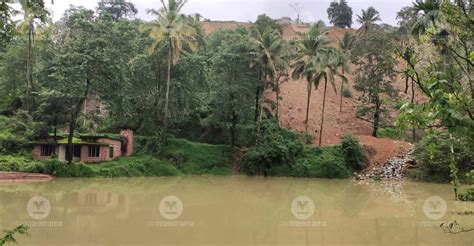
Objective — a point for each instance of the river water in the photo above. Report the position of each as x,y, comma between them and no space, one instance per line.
234,210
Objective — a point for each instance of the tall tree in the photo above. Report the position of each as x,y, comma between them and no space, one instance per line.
81,65
34,13
373,53
234,81
116,9
367,19
269,60
310,45
266,24
7,25
345,45
178,31
327,64
340,14
427,12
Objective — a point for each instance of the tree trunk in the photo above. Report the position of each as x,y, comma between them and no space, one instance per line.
376,117
165,119
257,103
73,123
55,136
413,103
322,113
308,100
278,101
257,97
28,70
260,117
234,119
342,89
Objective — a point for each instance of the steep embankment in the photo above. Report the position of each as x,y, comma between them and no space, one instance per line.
336,124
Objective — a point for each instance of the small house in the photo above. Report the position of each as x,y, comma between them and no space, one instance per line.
87,148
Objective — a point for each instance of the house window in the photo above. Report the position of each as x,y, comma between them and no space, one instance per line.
111,152
76,151
46,150
94,151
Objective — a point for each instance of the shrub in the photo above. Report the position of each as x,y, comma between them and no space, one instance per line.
353,153
141,166
389,133
468,195
346,92
64,170
200,158
277,147
327,162
434,155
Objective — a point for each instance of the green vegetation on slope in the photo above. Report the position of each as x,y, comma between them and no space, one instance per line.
282,153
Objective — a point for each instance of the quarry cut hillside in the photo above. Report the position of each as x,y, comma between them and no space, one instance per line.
337,124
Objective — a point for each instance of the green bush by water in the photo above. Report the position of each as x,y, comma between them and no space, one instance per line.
433,154
354,153
190,157
282,153
123,167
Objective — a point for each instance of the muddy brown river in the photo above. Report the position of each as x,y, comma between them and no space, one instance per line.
234,210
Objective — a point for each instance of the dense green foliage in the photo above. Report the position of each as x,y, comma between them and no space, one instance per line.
124,167
468,195
276,147
281,153
340,14
437,49
353,153
189,157
434,155
372,53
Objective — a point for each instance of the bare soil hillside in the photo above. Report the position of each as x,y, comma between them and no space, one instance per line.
337,124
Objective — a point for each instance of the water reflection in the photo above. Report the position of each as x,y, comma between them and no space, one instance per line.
232,210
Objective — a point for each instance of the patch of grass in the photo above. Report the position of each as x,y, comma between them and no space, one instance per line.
389,133
199,158
142,166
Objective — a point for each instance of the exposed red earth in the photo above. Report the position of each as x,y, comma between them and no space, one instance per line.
337,124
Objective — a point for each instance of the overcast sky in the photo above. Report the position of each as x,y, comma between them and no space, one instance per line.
248,10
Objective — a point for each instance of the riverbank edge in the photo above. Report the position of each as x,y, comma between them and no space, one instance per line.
17,177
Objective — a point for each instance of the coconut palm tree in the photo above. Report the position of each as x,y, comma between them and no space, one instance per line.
428,12
270,60
326,65
34,14
307,48
367,19
179,32
345,45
